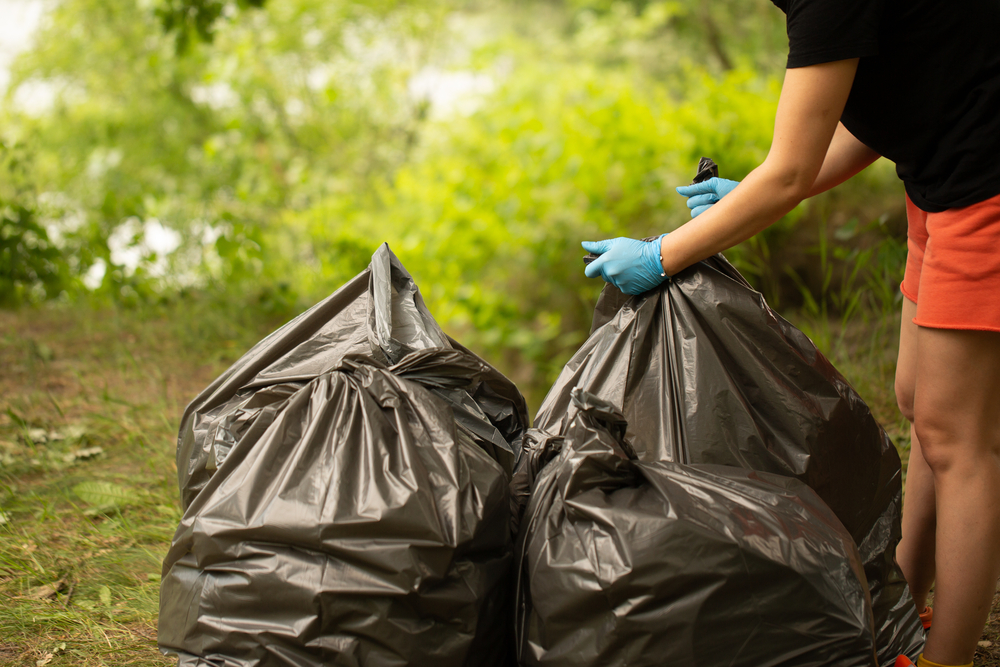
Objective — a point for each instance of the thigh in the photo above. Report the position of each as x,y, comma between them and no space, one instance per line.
956,397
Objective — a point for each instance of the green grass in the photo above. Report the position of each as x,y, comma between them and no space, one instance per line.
89,406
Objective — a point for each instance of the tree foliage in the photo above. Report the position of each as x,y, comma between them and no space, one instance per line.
32,267
195,19
280,142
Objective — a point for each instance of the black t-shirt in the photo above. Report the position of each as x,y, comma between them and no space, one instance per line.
927,91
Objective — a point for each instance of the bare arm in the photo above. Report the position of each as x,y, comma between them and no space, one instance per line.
812,100
845,157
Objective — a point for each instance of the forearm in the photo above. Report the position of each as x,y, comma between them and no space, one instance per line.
846,157
802,158
764,196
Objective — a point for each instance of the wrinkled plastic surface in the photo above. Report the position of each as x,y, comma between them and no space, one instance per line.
379,316
705,372
346,497
629,563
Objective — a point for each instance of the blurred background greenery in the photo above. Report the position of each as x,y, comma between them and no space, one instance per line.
246,158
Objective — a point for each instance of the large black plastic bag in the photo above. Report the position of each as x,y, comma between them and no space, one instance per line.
629,563
345,486
705,372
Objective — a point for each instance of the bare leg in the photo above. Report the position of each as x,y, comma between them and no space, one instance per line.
915,553
957,420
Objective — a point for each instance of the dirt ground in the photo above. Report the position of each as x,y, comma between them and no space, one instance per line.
988,653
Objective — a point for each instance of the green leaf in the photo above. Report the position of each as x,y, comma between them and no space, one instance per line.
102,494
104,593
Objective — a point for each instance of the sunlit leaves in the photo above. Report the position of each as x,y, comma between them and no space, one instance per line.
285,106
482,140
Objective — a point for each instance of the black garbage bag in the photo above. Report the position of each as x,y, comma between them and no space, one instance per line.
705,372
378,315
622,562
346,495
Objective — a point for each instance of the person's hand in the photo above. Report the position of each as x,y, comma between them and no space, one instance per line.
632,266
701,196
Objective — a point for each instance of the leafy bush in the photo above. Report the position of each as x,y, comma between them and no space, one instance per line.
32,267
287,149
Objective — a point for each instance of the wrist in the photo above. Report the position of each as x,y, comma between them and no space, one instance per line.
663,246
655,257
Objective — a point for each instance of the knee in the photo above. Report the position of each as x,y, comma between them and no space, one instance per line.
904,396
938,442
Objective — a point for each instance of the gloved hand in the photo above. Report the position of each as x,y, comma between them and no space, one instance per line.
702,195
632,266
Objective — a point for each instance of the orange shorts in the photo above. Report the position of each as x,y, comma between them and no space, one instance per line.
953,266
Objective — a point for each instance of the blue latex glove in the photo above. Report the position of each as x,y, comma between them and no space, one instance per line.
632,266
702,195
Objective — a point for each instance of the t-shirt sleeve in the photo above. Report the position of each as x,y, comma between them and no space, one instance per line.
822,31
